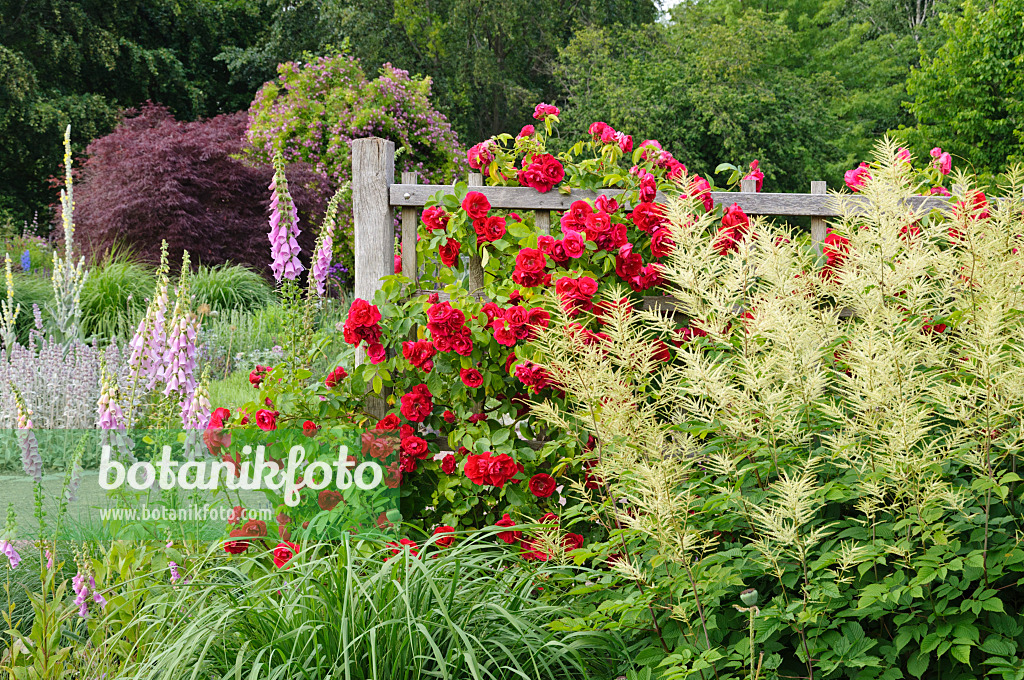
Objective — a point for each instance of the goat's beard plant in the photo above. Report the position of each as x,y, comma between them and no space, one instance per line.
840,431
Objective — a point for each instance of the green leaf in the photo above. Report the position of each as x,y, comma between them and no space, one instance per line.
992,604
962,653
918,664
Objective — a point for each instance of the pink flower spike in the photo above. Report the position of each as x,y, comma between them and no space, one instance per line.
284,228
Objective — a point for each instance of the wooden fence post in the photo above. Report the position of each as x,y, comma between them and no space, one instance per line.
542,218
373,173
818,223
748,186
476,267
410,230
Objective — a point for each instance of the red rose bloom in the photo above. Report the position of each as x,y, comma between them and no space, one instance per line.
362,323
489,229
388,423
417,403
236,547
419,354
415,447
375,352
449,252
487,468
328,499
256,376
254,528
530,268
435,218
362,313
445,534
266,420
575,218
542,111
508,536
285,552
532,551
309,428
647,217
835,249
735,226
572,541
700,188
471,377
335,377
397,548
476,205
661,242
448,464
543,173
976,206
574,244
218,417
542,485
377,447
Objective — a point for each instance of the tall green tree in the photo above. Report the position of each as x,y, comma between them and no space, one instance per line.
969,94
711,87
490,62
80,62
869,47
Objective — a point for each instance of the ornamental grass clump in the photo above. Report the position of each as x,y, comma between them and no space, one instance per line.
837,428
352,610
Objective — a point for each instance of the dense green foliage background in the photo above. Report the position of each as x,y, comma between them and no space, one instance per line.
803,85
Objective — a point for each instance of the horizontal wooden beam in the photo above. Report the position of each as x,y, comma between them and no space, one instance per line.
525,198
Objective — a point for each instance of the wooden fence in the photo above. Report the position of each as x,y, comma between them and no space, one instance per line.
375,195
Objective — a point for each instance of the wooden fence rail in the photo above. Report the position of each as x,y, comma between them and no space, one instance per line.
375,196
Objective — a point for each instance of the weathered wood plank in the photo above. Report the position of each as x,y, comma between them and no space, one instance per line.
476,268
373,172
525,198
542,218
410,229
818,227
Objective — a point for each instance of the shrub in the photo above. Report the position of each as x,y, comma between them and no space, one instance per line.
838,431
312,111
156,179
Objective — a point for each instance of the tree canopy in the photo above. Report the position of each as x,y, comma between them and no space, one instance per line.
969,96
81,62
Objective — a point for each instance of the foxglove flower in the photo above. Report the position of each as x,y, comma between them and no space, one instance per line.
111,417
31,461
81,594
325,246
196,409
150,340
13,558
284,228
